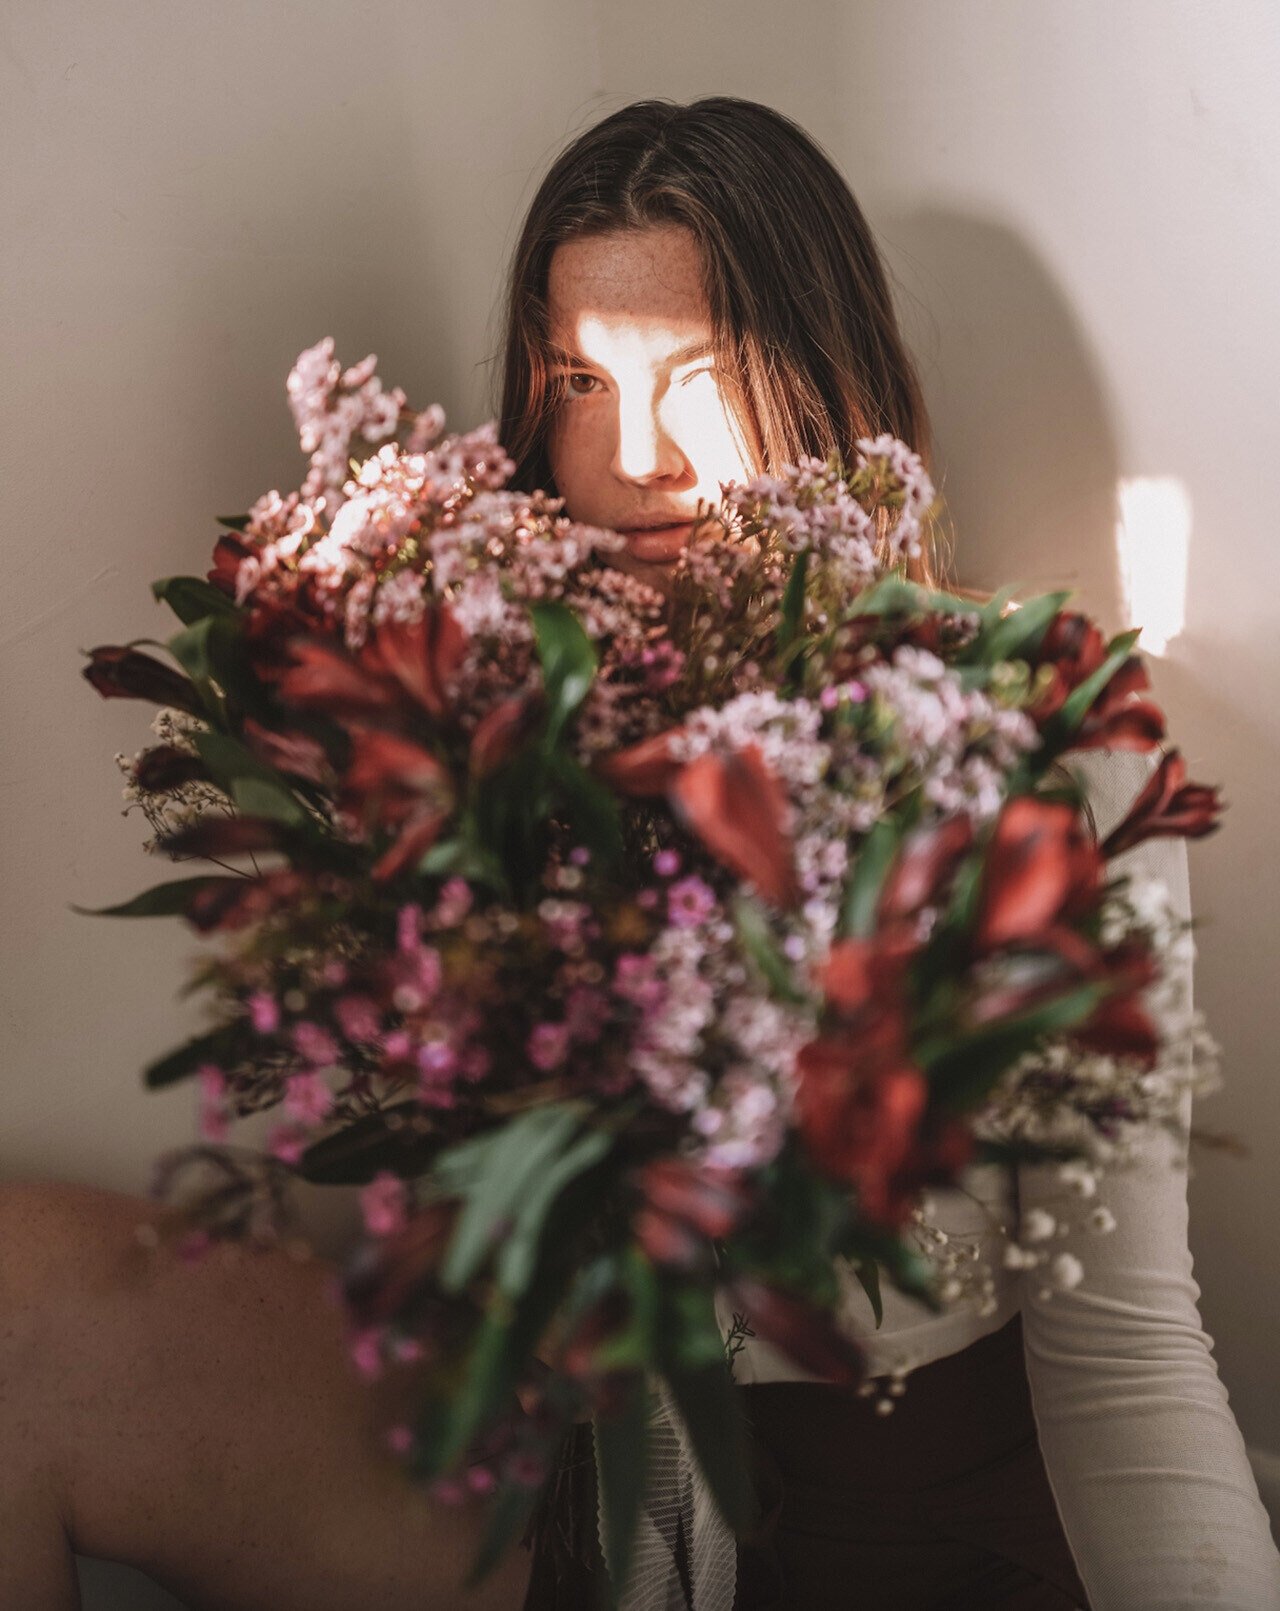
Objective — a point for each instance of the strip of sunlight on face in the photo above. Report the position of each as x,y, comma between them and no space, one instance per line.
1153,542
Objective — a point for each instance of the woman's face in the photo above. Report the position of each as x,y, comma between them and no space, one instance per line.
644,431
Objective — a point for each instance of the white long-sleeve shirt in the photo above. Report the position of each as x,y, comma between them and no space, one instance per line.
1147,1466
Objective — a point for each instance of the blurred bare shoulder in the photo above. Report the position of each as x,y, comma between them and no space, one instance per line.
207,1425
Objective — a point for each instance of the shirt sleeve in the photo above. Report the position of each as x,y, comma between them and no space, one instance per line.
1147,1465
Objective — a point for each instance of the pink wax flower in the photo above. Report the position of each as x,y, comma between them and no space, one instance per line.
307,1098
383,1204
365,1349
635,980
358,1017
264,1012
437,1060
399,1438
547,1046
452,904
409,927
690,902
287,1143
314,1043
667,863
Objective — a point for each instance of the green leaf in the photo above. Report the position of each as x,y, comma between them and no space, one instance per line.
870,868
793,601
465,859
516,1156
592,809
1018,634
162,900
1077,704
568,659
622,1456
218,1046
519,1255
191,598
257,788
962,1070
191,648
756,939
236,522
895,595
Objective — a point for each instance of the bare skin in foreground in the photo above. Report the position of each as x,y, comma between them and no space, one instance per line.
203,1423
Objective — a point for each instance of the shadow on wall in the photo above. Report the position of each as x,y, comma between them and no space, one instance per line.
1028,454
1030,460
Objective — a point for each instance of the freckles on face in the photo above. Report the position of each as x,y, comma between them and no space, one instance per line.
644,430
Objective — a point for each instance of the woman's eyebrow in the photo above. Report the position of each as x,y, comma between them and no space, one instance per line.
682,355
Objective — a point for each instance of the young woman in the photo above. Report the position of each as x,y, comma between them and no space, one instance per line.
695,297
695,294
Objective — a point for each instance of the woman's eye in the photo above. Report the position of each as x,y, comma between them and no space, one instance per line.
580,374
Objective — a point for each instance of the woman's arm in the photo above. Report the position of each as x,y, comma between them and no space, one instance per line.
1146,1462
204,1423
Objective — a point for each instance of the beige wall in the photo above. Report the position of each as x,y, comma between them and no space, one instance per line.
1078,199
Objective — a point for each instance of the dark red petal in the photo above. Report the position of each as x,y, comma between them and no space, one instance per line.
122,673
645,768
737,807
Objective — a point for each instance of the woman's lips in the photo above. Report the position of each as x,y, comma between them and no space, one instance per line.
659,544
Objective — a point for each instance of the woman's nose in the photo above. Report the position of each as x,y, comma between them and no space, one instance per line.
645,449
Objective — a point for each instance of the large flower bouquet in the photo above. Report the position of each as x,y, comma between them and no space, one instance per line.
631,954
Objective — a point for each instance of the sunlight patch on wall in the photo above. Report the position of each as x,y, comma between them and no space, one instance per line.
1153,545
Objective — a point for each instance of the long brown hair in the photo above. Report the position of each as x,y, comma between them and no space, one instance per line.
804,329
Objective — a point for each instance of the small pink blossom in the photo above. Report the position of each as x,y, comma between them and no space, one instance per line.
437,1060
358,1017
547,1046
690,902
452,904
383,1204
264,1012
409,927
399,1438
365,1349
307,1098
667,863
287,1143
635,980
315,1043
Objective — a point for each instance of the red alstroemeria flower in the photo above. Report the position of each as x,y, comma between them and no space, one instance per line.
1041,868
1167,806
734,803
395,782
123,673
501,731
1074,648
423,656
859,1105
419,658
924,866
684,1206
233,903
645,768
297,754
